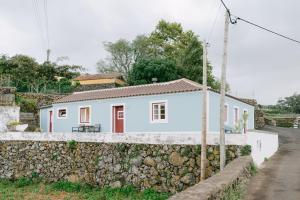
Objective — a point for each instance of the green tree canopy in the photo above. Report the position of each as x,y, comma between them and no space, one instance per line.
27,75
145,69
167,41
290,104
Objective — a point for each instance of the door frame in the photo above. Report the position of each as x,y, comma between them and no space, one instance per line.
48,121
112,116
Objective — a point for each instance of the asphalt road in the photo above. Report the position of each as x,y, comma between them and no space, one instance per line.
279,177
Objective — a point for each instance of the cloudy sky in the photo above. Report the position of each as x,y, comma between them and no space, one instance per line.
260,65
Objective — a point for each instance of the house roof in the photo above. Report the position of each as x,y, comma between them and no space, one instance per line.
176,86
181,85
84,77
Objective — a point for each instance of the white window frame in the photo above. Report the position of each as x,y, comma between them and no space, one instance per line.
227,113
90,115
238,114
151,112
63,108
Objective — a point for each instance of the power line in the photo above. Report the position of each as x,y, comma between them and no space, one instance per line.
234,21
46,20
266,29
38,19
214,24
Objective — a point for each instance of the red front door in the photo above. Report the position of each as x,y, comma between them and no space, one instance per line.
118,119
50,120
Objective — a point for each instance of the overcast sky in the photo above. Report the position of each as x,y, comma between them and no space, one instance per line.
260,65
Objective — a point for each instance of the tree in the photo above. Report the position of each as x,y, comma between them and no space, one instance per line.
167,41
120,59
144,70
27,75
290,104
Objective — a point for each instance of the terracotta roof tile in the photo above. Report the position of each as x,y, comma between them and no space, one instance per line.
181,85
97,76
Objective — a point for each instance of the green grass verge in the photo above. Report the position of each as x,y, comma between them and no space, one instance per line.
63,190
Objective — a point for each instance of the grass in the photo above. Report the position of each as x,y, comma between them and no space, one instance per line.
235,193
29,190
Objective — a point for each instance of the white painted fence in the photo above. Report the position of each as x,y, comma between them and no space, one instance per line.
263,144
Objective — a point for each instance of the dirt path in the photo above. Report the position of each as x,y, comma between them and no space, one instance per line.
279,177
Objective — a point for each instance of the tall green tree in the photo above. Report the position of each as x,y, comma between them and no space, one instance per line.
145,69
167,41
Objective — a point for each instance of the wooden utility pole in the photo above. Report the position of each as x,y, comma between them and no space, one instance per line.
204,113
222,95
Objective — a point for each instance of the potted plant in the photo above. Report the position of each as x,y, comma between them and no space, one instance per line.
12,125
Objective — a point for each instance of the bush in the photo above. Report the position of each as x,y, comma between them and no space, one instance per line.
72,144
246,150
27,105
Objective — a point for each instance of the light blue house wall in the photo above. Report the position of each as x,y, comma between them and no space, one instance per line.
184,113
214,111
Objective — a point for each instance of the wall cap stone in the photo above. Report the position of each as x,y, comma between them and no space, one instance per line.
218,183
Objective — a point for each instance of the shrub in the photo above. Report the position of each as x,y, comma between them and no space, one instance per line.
27,105
72,144
246,150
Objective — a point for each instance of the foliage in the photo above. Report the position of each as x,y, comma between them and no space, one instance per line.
145,69
253,169
26,104
286,105
13,123
27,75
121,57
246,150
167,43
70,187
33,190
235,192
291,103
72,144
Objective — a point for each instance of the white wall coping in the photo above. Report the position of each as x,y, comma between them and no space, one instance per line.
140,138
263,144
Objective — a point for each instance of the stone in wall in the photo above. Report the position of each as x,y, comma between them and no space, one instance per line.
167,168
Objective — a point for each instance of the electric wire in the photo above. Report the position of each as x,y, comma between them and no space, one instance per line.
46,22
234,21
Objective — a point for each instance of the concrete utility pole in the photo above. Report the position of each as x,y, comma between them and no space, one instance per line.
48,54
222,93
204,113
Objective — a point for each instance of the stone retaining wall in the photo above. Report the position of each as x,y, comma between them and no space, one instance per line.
215,187
168,168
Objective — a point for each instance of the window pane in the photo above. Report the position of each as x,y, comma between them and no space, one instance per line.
62,113
82,114
162,116
87,115
155,117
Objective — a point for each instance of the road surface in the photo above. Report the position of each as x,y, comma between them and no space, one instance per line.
279,178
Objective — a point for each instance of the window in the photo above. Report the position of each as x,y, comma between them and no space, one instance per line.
226,113
236,115
120,114
85,115
62,113
159,112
